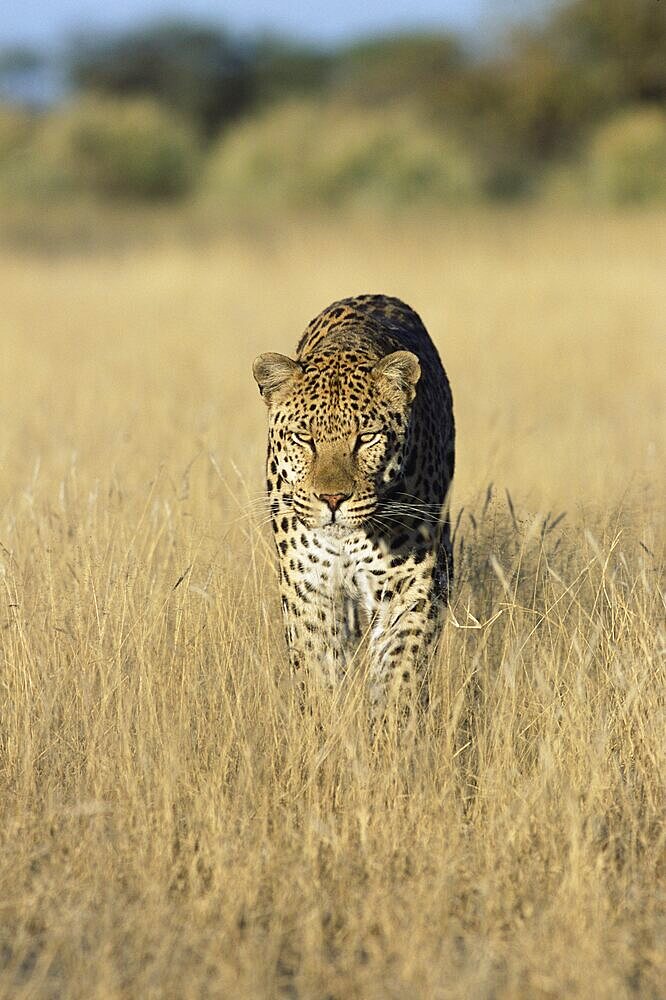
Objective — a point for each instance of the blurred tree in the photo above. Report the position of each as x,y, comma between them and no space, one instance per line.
397,68
626,38
285,69
535,102
197,71
538,100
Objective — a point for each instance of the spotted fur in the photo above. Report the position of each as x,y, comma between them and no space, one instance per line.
359,468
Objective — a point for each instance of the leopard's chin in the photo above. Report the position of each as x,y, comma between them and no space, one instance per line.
336,529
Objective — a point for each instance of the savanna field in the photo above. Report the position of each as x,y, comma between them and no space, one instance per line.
171,824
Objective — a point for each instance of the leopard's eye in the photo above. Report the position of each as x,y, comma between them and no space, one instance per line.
368,437
303,439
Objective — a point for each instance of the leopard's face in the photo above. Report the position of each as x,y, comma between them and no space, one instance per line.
338,479
339,434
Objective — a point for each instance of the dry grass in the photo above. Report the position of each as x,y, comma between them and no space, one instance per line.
170,825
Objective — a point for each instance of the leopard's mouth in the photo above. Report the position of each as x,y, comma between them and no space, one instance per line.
337,524
342,520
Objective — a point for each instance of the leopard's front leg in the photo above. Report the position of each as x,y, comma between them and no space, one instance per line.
318,620
407,620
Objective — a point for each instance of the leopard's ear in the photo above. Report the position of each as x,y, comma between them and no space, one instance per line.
400,372
273,373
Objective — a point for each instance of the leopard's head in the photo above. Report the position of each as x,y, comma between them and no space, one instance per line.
339,431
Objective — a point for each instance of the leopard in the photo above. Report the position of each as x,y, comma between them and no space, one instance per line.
359,468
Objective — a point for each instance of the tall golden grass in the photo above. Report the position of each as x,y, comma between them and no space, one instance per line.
171,824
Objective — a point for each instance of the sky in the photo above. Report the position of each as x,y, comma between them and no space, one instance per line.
44,23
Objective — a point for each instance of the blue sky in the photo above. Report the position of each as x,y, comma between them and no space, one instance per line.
45,22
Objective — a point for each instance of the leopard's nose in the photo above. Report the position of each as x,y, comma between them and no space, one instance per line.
334,499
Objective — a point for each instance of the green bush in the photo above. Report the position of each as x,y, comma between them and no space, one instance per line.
626,158
21,171
306,154
131,149
16,130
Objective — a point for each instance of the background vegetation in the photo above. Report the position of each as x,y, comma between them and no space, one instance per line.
571,108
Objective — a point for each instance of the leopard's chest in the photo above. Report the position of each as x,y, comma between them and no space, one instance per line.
353,568
338,559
